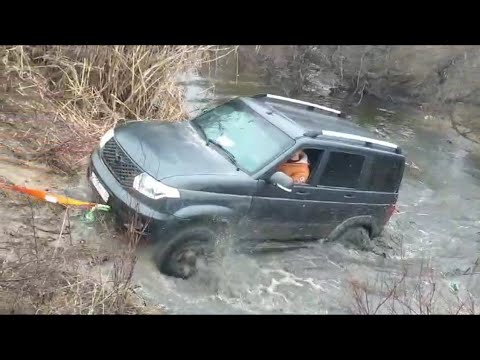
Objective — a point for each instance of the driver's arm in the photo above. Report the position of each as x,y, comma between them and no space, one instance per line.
300,175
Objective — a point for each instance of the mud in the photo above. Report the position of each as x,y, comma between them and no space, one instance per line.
52,260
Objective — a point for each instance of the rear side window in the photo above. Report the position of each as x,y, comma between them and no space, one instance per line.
385,174
342,170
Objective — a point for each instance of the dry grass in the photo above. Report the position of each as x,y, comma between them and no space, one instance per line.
67,277
85,90
69,96
51,287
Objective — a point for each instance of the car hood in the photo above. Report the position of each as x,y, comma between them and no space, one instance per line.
166,149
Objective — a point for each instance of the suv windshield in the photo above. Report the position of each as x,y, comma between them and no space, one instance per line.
243,133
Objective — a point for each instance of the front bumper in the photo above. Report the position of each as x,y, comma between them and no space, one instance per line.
123,203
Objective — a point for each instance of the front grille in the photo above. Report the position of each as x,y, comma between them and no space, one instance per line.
119,163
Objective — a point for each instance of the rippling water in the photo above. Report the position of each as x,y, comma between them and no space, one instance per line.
436,233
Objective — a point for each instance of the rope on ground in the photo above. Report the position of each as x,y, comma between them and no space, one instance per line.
58,199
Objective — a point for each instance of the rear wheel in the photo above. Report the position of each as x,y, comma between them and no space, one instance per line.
182,254
357,236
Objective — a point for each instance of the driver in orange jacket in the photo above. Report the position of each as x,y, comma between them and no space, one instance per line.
297,167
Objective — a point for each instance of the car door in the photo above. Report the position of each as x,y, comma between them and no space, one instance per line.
281,215
336,193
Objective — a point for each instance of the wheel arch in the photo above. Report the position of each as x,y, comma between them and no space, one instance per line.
202,214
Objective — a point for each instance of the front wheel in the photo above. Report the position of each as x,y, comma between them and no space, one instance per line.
180,255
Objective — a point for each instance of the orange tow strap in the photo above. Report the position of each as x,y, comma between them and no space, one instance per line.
46,196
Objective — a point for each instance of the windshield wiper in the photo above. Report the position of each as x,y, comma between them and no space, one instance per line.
200,130
228,153
230,156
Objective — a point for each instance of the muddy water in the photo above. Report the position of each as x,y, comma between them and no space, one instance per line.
437,225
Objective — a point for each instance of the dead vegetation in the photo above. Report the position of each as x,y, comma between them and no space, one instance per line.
77,93
416,288
57,102
405,293
49,271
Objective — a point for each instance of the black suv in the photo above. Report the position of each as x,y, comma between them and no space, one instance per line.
192,181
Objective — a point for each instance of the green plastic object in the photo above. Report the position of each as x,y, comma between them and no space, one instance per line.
89,216
454,287
101,207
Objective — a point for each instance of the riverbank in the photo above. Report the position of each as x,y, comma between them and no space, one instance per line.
55,104
443,80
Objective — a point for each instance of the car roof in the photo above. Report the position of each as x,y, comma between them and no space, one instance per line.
302,119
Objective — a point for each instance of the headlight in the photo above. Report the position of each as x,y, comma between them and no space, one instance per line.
108,135
152,188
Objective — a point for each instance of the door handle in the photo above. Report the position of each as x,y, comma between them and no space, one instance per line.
348,196
302,192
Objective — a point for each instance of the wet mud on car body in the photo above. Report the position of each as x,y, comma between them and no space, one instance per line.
194,179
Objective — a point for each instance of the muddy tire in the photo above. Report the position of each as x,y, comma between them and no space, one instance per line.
179,256
357,236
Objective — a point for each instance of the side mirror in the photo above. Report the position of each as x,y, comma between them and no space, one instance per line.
282,181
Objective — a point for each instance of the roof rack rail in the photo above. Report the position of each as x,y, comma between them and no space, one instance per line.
300,102
368,141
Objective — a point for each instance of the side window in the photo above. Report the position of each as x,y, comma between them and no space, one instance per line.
342,170
314,158
302,165
385,174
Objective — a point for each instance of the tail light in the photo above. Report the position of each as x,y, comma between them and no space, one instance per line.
389,212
